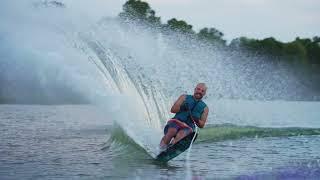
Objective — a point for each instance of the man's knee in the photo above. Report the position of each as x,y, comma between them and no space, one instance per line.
183,133
171,132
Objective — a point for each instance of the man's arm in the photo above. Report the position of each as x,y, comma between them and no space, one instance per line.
203,118
176,106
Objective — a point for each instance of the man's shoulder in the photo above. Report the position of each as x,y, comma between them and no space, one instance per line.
204,104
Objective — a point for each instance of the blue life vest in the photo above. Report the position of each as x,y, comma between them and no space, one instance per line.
196,108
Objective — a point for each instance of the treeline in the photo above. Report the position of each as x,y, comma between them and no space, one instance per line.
305,51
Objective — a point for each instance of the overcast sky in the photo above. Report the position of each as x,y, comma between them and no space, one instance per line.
282,19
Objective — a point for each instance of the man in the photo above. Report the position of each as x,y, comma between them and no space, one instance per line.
190,110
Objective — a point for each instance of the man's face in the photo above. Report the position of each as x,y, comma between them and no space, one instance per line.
199,92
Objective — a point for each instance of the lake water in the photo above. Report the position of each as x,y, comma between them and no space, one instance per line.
79,142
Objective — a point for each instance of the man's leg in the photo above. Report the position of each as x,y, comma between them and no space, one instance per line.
168,136
181,134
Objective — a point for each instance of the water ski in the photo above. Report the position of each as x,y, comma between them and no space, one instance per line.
176,149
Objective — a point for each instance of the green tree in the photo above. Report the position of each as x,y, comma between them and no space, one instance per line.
138,11
179,26
299,50
314,51
243,43
271,46
312,47
316,39
295,51
212,36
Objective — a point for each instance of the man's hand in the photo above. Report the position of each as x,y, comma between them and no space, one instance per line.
176,106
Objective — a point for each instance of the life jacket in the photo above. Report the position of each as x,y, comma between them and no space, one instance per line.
196,108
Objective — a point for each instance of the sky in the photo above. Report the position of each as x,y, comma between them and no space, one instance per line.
283,19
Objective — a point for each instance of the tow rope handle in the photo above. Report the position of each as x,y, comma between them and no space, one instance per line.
194,122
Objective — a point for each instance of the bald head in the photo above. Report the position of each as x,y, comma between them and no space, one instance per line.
200,91
202,85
